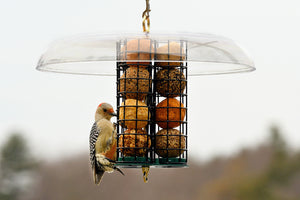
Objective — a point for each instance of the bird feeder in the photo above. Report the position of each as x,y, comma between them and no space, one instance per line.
151,72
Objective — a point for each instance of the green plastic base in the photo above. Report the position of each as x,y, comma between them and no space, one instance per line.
132,162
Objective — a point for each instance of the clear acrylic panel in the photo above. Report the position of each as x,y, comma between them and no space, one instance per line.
96,54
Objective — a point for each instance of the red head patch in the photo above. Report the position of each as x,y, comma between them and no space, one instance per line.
100,105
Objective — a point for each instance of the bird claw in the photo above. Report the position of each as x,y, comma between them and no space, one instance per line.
119,170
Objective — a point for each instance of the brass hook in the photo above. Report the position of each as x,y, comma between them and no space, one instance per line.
146,27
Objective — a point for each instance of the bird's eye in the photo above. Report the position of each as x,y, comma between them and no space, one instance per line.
104,110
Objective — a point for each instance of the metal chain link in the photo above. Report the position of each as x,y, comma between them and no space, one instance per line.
146,26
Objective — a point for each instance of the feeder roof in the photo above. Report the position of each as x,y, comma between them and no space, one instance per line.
97,54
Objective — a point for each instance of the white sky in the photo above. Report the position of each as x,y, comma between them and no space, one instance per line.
56,111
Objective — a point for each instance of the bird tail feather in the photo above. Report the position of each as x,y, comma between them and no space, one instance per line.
98,174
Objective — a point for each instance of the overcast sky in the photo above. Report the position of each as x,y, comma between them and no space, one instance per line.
55,111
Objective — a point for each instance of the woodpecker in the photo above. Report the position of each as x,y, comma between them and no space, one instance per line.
103,143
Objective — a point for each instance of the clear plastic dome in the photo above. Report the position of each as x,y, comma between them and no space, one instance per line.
97,54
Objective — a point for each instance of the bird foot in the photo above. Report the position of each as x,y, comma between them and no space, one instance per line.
102,159
111,161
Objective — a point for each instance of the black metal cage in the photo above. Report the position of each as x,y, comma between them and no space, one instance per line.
151,103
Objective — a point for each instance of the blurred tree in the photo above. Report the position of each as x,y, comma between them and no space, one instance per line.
271,183
278,143
275,181
15,167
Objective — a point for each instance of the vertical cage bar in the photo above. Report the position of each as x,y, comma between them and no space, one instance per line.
118,44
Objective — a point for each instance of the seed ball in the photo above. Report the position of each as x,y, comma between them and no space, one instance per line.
170,52
138,49
135,144
170,82
133,114
170,110
134,83
175,141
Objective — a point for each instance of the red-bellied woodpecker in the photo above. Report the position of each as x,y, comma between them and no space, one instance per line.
103,142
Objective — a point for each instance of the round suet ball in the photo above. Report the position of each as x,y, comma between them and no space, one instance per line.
134,142
169,113
133,114
170,82
171,52
171,139
137,49
135,83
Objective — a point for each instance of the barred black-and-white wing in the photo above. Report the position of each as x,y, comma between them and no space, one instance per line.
93,138
97,171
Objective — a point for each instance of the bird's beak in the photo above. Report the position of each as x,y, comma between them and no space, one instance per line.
113,114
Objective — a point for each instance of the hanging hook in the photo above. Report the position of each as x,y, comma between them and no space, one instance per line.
146,27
